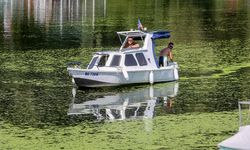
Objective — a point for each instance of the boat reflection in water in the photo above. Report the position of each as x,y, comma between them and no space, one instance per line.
131,105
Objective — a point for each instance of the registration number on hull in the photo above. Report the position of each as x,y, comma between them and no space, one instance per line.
91,74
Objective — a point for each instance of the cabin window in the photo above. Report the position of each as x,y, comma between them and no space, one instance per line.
115,61
92,64
134,41
141,59
103,60
130,60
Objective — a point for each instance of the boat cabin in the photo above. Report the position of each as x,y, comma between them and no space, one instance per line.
141,57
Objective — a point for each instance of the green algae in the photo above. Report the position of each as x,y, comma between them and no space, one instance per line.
184,131
44,67
38,91
211,48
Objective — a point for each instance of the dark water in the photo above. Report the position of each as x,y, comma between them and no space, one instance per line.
38,37
41,24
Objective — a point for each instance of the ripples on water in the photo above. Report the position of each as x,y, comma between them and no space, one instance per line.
211,41
42,105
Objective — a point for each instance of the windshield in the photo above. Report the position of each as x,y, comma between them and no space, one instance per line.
92,63
130,39
133,42
103,60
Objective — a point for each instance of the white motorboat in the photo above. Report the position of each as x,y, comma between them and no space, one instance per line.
241,140
126,65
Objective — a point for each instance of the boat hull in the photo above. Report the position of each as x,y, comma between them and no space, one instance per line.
91,78
82,82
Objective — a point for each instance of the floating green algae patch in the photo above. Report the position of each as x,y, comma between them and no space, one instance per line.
185,131
212,48
36,94
48,67
36,89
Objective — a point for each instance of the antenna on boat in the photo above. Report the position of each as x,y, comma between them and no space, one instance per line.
141,37
140,27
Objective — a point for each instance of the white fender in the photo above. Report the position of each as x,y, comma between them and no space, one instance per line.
124,107
176,75
73,81
149,111
151,91
125,74
151,77
74,92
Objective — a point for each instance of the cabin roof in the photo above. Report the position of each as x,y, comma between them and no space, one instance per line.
244,102
122,52
107,52
160,35
136,33
135,51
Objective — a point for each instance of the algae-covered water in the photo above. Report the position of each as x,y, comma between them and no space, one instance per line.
38,111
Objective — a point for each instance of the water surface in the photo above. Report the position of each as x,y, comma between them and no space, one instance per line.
38,38
42,24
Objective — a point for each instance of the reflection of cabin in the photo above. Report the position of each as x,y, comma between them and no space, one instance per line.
116,112
131,105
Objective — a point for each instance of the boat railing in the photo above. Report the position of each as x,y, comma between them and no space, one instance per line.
133,50
74,64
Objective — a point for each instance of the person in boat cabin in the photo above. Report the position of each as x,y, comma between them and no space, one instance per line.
131,43
166,54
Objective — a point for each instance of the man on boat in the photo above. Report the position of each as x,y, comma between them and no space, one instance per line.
131,43
166,55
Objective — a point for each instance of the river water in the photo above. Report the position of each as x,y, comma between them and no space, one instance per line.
38,38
